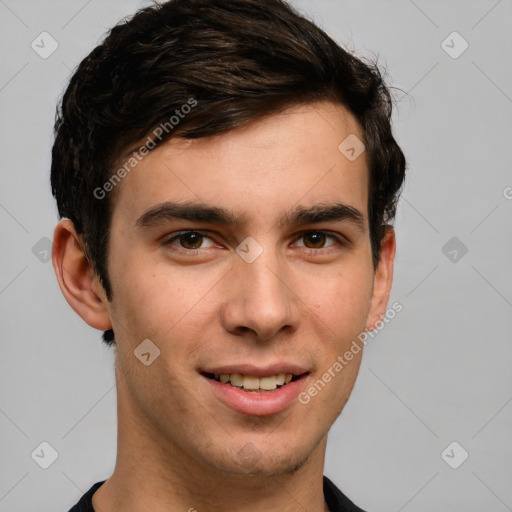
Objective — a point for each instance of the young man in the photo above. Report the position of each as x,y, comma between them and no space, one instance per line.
227,175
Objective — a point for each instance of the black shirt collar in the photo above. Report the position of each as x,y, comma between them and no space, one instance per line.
336,501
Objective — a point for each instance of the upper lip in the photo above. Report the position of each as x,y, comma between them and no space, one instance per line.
257,371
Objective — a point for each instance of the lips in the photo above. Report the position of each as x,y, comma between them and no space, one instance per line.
256,391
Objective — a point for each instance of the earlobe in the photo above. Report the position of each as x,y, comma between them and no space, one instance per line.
383,279
77,280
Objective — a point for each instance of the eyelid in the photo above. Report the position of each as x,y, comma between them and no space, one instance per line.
173,236
340,238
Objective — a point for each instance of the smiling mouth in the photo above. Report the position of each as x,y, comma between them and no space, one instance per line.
254,384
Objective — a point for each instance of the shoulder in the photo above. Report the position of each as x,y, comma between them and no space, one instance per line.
336,500
85,502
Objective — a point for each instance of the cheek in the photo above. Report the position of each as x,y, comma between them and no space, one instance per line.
158,301
343,301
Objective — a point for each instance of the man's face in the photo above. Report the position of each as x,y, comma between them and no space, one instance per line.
290,299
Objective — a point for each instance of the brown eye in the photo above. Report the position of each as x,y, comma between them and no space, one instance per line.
316,238
319,242
190,240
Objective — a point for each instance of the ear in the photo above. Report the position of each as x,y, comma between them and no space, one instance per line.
79,284
383,279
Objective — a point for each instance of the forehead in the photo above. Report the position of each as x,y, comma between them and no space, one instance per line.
259,171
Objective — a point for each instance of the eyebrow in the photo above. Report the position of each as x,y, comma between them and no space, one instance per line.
199,212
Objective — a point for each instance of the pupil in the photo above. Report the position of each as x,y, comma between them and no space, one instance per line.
317,236
193,239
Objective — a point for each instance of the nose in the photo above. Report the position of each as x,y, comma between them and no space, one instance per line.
260,298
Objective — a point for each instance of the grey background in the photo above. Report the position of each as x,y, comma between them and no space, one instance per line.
438,373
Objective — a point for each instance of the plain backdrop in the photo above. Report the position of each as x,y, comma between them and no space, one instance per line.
438,374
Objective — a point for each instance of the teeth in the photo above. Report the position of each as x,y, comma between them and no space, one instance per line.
236,380
268,382
251,382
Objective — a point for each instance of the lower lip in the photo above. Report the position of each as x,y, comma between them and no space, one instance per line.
257,404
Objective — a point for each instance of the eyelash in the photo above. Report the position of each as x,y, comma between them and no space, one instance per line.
341,241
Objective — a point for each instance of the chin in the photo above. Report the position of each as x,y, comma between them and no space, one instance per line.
262,463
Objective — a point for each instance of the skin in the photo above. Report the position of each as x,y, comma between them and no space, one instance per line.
179,447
